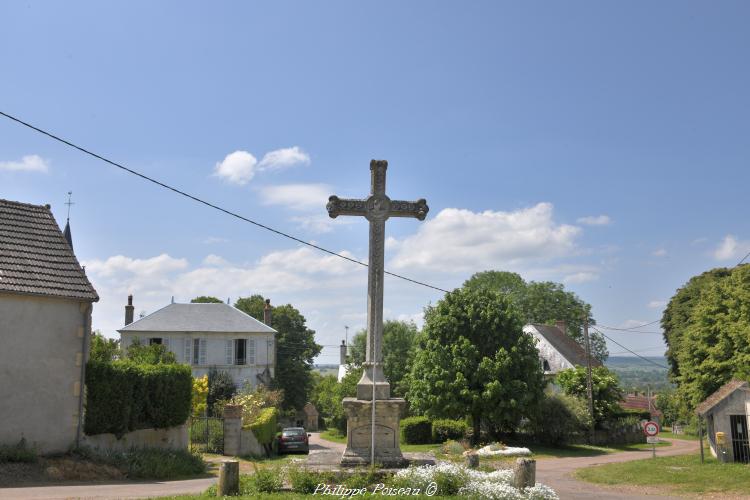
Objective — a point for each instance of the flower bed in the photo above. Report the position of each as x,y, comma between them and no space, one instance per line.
492,450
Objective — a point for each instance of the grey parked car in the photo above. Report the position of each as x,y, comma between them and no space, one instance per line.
294,439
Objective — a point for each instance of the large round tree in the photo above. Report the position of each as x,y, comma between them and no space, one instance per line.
474,359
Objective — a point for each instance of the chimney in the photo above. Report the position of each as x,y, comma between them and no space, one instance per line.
129,309
561,326
342,353
267,312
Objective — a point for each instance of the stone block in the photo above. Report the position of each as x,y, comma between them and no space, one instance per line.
359,432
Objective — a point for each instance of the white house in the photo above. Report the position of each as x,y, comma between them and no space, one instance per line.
557,350
45,325
209,335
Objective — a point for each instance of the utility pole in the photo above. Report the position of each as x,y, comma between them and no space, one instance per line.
589,385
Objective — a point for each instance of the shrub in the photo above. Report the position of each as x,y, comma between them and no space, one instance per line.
254,401
303,481
148,463
267,480
445,429
200,393
17,453
220,388
416,430
363,479
264,427
560,419
122,396
451,447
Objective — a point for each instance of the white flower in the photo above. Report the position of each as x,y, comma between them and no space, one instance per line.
540,492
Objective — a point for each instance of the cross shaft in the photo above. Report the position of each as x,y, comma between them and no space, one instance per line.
377,208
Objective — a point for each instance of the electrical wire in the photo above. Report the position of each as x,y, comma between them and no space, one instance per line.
630,350
207,203
630,328
743,259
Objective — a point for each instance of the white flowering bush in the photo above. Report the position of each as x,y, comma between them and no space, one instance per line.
452,479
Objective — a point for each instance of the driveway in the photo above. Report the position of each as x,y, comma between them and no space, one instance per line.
558,473
111,491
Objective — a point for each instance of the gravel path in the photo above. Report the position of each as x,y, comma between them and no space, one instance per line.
558,474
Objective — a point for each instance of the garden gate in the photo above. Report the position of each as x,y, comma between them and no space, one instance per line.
207,435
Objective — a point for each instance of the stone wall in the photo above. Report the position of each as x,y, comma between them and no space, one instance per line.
173,438
40,370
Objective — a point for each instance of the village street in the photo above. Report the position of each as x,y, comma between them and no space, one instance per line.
555,472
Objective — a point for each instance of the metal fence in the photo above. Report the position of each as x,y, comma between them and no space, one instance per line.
207,434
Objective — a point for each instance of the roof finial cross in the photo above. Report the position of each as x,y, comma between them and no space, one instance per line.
69,203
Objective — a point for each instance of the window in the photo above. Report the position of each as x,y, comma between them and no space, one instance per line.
196,351
240,351
545,366
154,340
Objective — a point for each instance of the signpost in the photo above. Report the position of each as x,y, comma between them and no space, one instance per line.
651,430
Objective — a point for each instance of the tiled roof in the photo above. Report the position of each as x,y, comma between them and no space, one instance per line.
723,391
35,259
633,402
198,317
565,345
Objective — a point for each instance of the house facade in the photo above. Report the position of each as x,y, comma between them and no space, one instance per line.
727,414
45,327
557,350
208,336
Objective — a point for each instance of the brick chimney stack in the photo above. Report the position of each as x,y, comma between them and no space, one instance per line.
561,326
267,312
342,353
129,309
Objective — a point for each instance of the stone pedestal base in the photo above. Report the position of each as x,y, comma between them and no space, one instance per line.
359,432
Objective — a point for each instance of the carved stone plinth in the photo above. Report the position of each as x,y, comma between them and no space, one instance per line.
359,432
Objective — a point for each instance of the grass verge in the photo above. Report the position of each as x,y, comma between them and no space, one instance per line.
334,435
149,463
683,473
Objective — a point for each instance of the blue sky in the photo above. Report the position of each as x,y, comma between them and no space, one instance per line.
524,124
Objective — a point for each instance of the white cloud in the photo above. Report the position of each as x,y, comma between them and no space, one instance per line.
731,248
237,168
29,163
214,260
120,264
284,158
465,241
299,197
660,252
595,220
581,277
657,304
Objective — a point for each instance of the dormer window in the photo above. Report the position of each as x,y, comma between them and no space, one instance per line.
545,366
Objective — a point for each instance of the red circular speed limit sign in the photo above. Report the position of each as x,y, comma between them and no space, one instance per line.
651,428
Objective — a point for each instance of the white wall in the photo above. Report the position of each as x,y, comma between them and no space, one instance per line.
216,352
41,342
546,351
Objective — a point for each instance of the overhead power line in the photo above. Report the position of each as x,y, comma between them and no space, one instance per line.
207,203
743,259
631,327
630,350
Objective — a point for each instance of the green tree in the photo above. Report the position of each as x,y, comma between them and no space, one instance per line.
103,348
672,407
543,302
206,299
474,359
153,354
221,389
328,393
606,390
399,342
714,345
295,346
678,315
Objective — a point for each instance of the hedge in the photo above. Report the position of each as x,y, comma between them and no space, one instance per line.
264,427
122,396
445,429
416,430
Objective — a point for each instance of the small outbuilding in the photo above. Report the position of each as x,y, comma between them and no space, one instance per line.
727,412
311,417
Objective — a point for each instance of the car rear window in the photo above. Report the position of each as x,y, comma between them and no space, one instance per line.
293,432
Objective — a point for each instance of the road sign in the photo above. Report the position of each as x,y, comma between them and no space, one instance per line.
651,428
652,439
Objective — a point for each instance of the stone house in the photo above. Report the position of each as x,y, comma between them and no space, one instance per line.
45,306
557,350
727,411
209,336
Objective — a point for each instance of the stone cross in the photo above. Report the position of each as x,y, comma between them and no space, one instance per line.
377,208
